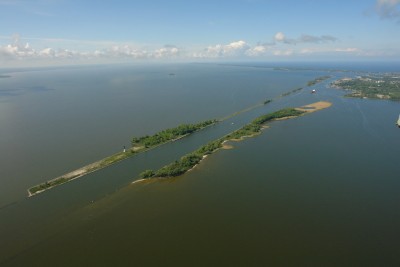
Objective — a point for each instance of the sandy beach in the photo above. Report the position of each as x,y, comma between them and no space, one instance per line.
315,106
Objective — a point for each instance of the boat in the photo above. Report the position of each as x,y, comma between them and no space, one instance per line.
313,91
398,122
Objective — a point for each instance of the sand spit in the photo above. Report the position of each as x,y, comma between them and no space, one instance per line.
315,106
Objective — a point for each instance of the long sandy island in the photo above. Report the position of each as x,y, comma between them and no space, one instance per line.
191,160
123,155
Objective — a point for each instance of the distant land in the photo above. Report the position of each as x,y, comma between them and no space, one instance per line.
380,86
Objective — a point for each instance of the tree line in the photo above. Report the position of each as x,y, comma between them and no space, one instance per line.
169,134
188,161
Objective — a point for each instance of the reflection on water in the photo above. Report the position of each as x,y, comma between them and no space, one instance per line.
318,190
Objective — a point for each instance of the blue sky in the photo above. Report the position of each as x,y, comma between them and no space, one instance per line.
57,32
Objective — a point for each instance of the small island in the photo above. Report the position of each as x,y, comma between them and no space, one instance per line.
190,160
139,144
318,80
291,92
385,86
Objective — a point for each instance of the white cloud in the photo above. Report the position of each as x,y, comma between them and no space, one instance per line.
305,38
55,53
258,50
347,50
122,51
237,48
166,52
17,51
332,52
47,52
280,37
388,9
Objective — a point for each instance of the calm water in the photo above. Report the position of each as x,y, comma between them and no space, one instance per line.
319,190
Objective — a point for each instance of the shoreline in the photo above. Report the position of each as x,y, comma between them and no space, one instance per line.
103,163
254,128
374,87
310,108
78,173
100,164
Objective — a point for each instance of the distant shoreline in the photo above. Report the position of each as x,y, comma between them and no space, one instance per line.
382,87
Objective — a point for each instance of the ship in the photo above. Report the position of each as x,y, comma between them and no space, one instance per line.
398,122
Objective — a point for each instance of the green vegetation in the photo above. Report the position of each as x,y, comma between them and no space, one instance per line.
318,80
210,147
85,170
147,174
185,163
188,161
377,87
180,166
291,92
115,158
283,113
170,134
266,101
138,145
309,83
47,185
255,126
310,69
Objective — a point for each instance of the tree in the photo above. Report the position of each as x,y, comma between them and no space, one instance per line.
147,174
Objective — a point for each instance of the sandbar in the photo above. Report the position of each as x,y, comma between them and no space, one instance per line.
315,106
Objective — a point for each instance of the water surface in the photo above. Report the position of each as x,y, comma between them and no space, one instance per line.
318,190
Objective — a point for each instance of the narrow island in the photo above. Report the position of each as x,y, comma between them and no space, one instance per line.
139,144
268,100
385,86
291,92
318,80
192,159
309,83
145,143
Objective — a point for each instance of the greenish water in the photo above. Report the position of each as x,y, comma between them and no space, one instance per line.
318,190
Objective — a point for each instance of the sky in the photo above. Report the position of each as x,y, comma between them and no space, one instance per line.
63,32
